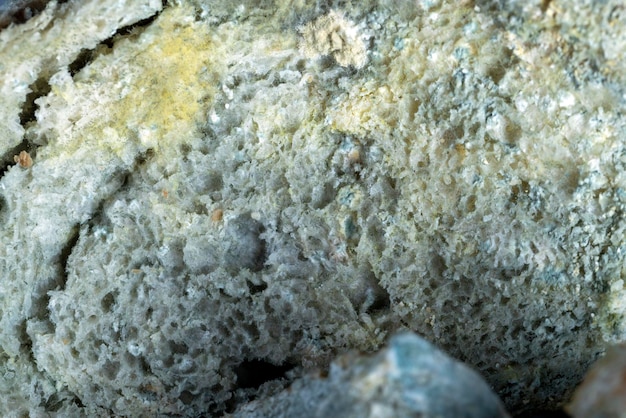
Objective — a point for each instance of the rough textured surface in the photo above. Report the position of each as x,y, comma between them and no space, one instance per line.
211,198
410,378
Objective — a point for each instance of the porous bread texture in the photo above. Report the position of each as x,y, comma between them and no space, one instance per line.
206,199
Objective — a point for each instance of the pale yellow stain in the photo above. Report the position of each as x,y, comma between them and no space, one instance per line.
156,97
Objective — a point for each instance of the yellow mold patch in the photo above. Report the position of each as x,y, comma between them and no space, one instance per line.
173,86
160,95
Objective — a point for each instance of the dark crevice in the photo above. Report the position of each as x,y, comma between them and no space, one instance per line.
78,402
125,179
3,209
251,374
64,256
230,405
256,288
26,344
38,88
373,299
85,56
40,298
381,301
134,29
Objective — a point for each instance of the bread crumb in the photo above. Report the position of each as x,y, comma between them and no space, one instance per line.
217,215
23,160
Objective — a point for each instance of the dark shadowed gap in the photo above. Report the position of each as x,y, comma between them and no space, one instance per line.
251,374
543,414
66,251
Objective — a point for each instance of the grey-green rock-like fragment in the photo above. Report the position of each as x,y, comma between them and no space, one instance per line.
409,378
602,394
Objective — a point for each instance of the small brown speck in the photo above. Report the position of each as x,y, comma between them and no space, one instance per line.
217,215
23,160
